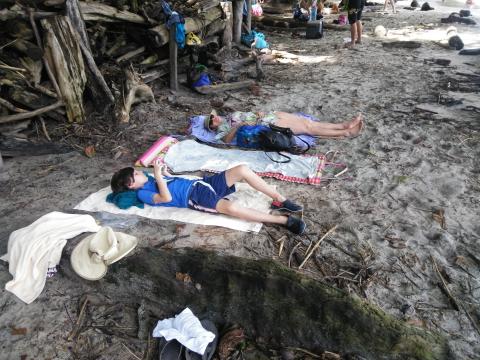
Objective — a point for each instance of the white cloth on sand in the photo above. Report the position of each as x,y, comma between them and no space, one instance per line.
190,155
37,247
244,196
186,329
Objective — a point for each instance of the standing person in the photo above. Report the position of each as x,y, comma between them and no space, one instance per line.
355,8
207,194
391,2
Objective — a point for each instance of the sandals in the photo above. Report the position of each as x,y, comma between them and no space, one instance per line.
170,350
211,347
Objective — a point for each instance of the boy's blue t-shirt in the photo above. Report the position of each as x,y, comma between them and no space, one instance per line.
179,188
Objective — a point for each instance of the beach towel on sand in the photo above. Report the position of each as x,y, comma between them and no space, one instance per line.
245,196
37,247
189,155
197,129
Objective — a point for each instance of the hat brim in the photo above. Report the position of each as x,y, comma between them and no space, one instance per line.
207,119
83,262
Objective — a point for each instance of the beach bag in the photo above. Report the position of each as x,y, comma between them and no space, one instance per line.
198,76
278,139
342,19
257,10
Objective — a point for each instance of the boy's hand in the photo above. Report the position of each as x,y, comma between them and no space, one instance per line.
160,169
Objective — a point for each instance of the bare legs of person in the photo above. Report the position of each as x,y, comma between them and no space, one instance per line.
300,125
392,3
244,173
355,34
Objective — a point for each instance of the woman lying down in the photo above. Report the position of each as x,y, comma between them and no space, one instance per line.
227,126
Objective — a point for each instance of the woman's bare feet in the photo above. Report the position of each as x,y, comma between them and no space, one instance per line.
352,123
355,131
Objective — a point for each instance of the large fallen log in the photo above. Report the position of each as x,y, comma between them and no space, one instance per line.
161,33
64,57
281,307
215,89
95,11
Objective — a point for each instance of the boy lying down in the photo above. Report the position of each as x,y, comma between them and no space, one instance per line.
207,194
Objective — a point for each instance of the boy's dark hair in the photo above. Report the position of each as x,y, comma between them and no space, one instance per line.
121,179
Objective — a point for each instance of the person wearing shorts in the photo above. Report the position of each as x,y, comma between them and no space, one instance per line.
207,194
355,8
226,127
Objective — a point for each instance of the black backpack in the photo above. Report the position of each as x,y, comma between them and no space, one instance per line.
277,139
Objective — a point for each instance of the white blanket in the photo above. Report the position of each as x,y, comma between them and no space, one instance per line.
245,195
35,248
186,329
190,155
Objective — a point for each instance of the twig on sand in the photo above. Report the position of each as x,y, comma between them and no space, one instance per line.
292,252
79,322
444,286
131,352
317,245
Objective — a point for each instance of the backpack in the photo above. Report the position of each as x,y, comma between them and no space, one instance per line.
270,139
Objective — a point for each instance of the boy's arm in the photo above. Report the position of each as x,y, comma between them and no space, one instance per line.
164,195
227,139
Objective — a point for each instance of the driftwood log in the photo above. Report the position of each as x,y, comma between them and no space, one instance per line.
136,92
161,33
281,307
65,59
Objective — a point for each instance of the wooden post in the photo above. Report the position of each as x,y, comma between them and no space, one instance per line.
173,50
249,15
227,33
237,20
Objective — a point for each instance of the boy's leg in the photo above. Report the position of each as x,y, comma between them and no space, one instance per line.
231,208
243,172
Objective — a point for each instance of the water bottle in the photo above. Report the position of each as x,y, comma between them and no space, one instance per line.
313,11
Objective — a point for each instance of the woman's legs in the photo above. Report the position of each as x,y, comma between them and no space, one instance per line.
290,119
243,172
300,125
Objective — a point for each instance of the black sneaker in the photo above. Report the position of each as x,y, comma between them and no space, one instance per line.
296,225
286,205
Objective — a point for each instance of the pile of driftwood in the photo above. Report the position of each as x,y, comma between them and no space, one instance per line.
64,57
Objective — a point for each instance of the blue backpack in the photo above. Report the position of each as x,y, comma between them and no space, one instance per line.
248,136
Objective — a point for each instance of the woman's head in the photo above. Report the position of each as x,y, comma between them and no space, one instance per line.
213,121
127,179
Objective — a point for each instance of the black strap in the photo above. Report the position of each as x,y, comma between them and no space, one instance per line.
288,158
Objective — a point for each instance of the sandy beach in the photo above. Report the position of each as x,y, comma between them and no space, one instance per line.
407,210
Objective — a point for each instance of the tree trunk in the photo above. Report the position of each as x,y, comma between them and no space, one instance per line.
271,302
65,59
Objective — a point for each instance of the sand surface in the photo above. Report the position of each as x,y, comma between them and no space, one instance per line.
411,195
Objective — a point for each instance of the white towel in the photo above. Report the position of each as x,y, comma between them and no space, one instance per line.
190,155
35,248
187,330
245,196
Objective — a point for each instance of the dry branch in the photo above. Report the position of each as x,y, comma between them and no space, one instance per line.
28,115
136,92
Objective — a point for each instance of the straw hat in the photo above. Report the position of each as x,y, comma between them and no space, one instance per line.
207,119
95,252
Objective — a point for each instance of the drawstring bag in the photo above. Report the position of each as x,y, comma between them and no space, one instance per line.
342,19
257,37
257,10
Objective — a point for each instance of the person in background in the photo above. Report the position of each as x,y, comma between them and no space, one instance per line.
355,8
